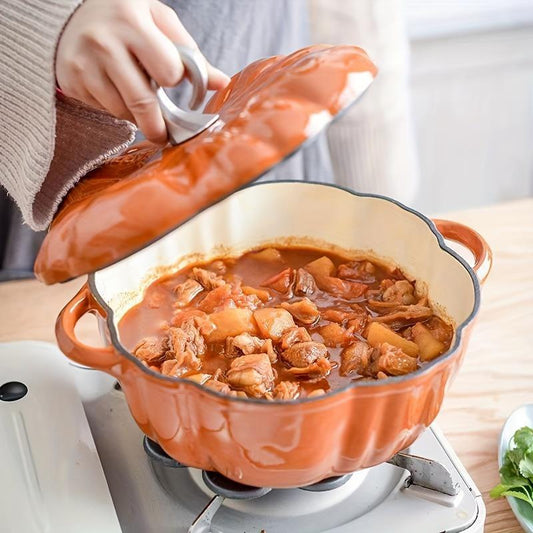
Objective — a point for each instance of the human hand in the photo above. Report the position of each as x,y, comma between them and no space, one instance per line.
110,48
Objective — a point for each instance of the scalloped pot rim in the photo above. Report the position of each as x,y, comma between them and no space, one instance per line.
359,384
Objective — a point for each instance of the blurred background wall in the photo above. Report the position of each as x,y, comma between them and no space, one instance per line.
467,91
471,88
447,125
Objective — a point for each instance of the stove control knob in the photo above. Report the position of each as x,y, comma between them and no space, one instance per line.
12,391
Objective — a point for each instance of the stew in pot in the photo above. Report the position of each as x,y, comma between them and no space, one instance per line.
283,323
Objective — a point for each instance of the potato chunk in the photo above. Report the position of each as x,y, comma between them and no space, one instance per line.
429,346
335,335
379,334
230,323
273,322
267,254
323,266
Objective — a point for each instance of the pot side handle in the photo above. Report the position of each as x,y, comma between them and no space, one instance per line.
455,231
99,358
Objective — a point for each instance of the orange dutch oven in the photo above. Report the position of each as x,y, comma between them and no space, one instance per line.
277,443
150,212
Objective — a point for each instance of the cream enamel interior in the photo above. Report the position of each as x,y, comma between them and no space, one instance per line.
272,212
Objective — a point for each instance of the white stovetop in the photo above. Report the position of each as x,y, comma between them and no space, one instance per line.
50,472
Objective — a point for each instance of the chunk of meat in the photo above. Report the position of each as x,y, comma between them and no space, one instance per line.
356,358
218,267
378,305
273,322
224,388
217,299
186,367
336,315
218,386
286,390
199,378
170,367
355,319
151,350
401,292
358,322
252,374
185,363
293,336
393,361
281,282
304,283
242,344
320,368
357,270
404,315
238,394
187,338
323,266
335,335
245,344
262,294
186,292
304,311
230,323
303,354
251,301
196,317
268,348
209,280
185,345
181,315
341,287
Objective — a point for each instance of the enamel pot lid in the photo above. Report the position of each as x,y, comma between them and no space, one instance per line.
267,112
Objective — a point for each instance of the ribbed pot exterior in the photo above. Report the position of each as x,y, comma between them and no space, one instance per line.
286,445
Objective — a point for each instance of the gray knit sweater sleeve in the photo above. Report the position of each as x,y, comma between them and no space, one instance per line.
47,141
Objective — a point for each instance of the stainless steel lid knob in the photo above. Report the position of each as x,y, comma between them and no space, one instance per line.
182,125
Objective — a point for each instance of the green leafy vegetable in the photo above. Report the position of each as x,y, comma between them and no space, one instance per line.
516,473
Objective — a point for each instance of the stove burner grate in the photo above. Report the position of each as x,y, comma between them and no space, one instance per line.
329,483
424,473
223,486
228,488
157,454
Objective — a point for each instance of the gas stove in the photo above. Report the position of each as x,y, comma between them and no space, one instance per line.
423,489
412,492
